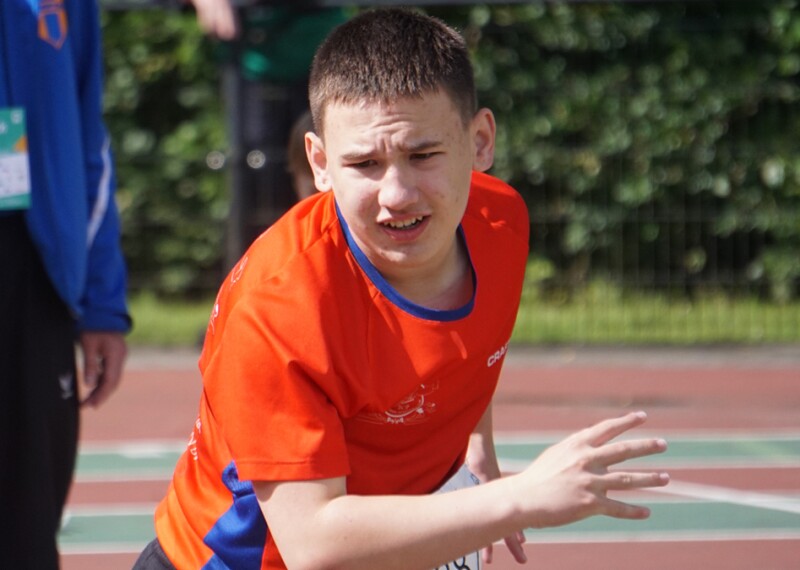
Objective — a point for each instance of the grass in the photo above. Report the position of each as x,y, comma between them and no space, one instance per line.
601,314
168,323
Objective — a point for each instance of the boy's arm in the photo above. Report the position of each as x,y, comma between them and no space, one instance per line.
482,462
481,456
316,524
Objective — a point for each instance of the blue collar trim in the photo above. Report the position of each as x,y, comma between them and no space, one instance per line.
391,293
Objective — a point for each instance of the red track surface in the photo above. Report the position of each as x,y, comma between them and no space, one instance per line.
554,390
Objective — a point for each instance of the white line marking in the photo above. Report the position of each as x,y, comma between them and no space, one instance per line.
139,477
535,537
715,494
665,463
115,510
133,448
545,437
90,549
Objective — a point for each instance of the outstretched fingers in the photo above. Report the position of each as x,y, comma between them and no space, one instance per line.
626,480
617,452
620,510
571,479
603,432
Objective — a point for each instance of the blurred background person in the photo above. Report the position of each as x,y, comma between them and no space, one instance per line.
265,57
217,18
296,160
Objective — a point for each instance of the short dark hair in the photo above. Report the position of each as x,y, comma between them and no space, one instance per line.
386,54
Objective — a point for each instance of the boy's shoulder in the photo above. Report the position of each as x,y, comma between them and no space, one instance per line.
300,254
495,202
304,229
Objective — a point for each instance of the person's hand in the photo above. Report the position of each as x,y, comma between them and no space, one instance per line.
103,357
513,543
571,480
217,18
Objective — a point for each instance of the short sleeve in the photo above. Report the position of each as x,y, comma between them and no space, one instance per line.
275,415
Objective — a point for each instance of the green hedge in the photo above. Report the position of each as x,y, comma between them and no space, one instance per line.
651,140
164,112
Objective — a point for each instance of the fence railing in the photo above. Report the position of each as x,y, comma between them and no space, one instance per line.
666,271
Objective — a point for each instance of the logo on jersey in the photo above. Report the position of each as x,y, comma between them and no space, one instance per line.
192,445
53,22
497,356
212,321
238,271
414,409
65,382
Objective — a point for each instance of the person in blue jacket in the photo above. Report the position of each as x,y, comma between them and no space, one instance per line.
62,272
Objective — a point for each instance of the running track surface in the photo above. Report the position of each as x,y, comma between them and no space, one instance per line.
731,416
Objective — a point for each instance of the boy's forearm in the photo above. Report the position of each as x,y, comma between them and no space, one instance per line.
566,483
481,454
403,532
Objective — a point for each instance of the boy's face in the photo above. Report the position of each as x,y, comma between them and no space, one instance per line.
401,176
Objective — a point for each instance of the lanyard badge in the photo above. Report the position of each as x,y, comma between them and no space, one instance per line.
15,179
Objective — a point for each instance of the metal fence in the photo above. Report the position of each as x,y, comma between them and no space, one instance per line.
687,283
670,271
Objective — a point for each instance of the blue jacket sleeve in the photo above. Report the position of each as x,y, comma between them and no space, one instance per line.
104,300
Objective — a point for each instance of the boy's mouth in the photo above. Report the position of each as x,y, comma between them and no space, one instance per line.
405,224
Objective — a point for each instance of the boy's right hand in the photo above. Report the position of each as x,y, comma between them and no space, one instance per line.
571,480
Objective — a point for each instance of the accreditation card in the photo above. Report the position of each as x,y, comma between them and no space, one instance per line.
15,176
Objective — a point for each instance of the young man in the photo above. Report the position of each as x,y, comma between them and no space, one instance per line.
352,354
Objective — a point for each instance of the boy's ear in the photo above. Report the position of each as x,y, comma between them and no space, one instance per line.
318,160
482,130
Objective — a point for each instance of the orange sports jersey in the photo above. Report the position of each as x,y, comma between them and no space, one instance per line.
315,367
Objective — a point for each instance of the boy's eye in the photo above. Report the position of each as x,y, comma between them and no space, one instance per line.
423,155
362,164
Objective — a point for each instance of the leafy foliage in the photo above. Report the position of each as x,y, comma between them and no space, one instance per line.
163,109
655,140
655,143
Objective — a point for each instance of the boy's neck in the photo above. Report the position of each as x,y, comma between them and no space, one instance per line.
449,288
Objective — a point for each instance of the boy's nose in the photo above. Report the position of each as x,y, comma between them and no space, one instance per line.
397,190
